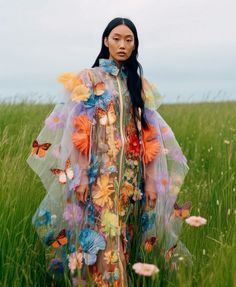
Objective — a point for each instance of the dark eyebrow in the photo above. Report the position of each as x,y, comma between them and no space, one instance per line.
117,34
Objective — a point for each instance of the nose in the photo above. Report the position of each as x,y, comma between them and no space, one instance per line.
122,44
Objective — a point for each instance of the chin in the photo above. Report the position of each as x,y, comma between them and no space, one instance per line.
121,59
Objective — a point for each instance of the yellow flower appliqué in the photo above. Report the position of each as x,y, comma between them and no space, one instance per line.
110,223
70,81
80,93
101,197
111,257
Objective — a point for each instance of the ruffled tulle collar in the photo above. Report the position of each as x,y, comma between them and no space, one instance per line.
111,67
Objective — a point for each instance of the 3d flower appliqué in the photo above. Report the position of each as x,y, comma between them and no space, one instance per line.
81,138
55,121
80,93
152,146
70,81
91,242
101,196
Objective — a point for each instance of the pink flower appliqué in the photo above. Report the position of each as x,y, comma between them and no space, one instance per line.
163,182
55,121
196,221
72,214
145,269
75,261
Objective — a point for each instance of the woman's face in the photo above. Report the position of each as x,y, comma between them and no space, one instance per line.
120,43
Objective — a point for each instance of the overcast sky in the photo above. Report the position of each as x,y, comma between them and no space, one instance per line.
187,47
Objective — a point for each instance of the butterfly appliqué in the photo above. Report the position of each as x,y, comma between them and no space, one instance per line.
60,240
108,117
182,211
64,174
39,149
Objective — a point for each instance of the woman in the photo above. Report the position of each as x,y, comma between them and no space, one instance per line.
112,169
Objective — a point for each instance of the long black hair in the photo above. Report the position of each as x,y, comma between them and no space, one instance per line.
133,67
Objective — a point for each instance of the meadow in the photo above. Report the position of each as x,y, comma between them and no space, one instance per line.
207,135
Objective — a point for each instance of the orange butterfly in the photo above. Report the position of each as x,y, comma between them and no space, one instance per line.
109,117
39,149
149,243
65,174
111,113
60,240
170,252
182,211
102,115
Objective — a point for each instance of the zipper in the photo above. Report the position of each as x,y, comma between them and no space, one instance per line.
123,284
121,129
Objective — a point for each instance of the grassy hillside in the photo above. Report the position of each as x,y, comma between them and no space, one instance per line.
207,135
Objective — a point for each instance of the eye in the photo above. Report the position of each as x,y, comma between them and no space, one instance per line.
116,39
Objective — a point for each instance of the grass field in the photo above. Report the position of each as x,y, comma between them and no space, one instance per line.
207,135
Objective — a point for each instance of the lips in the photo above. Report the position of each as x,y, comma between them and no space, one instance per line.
121,53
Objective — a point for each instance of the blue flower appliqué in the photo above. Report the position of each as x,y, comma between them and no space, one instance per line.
147,221
56,266
91,242
43,218
110,66
93,169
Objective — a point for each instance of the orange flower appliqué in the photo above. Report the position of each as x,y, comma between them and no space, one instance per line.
131,127
133,146
152,146
81,138
127,190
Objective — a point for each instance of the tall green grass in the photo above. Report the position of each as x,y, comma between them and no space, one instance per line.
201,130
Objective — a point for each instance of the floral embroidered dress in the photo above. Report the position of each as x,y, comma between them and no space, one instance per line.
91,141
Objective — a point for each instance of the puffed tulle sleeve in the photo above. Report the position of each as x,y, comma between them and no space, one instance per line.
60,153
152,97
165,168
